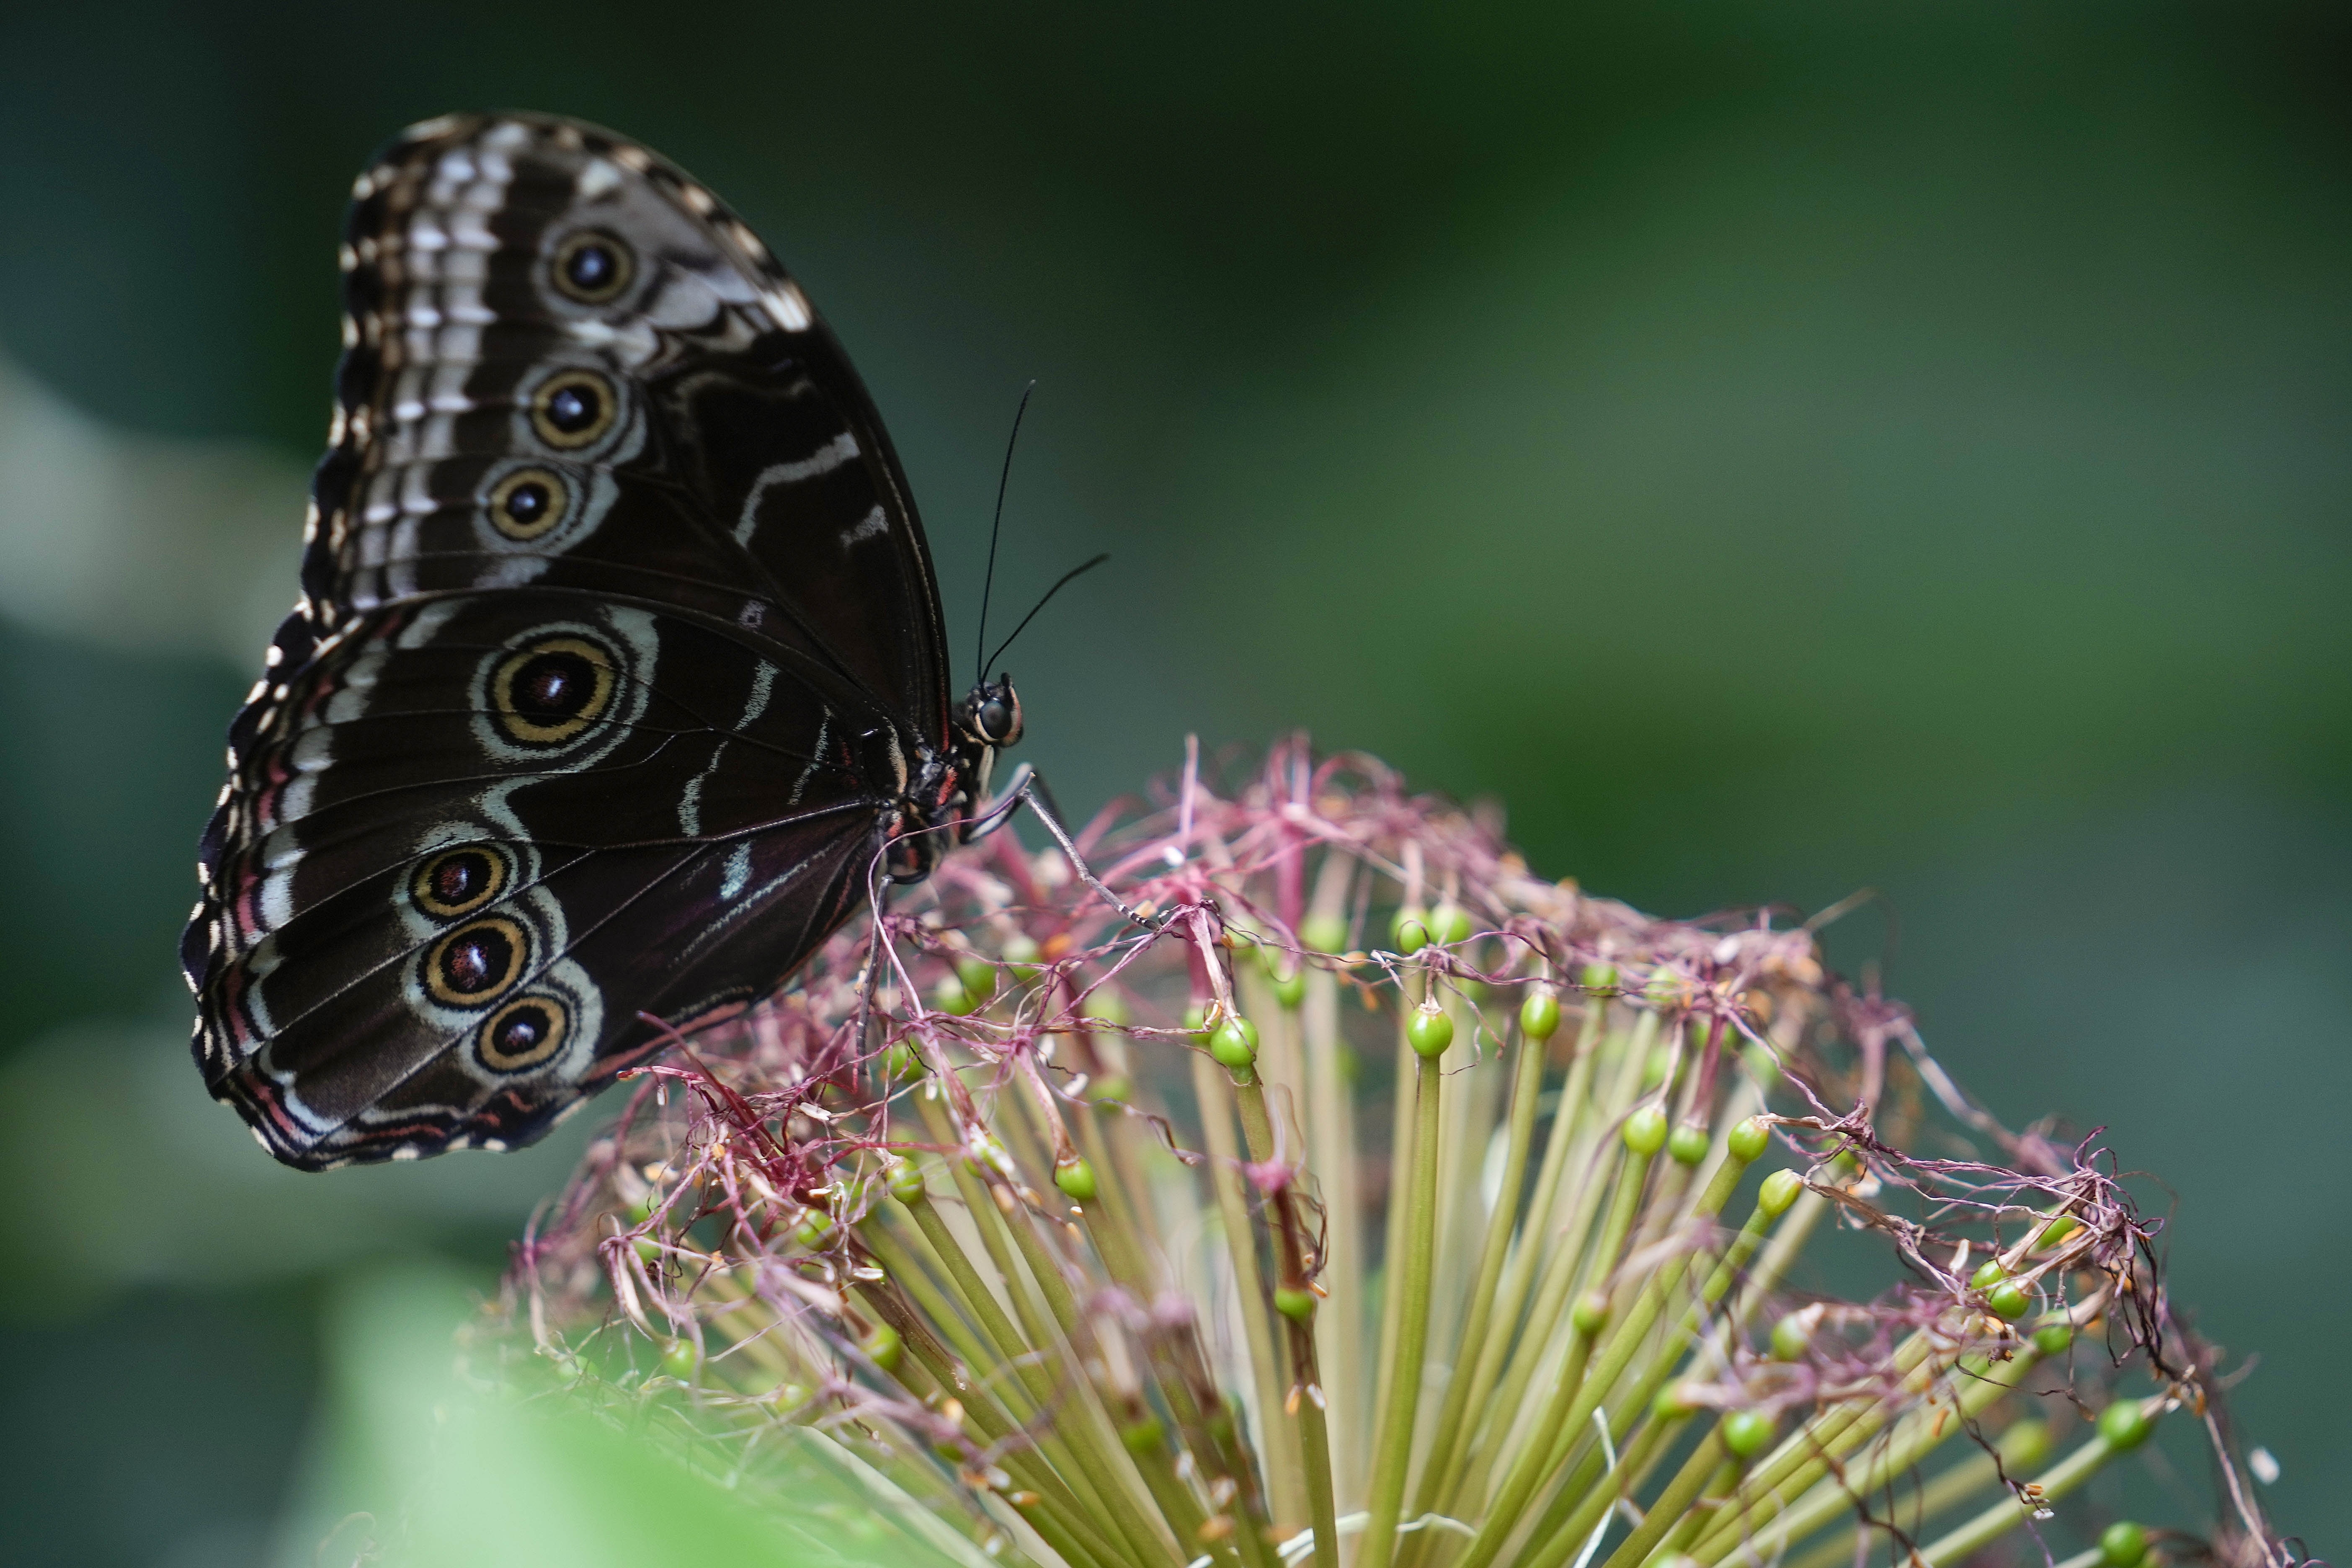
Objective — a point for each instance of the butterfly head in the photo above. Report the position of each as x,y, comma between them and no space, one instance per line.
990,715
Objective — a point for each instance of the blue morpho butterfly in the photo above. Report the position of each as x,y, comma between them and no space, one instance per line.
617,676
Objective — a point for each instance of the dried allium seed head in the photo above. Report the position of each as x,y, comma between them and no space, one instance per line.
1387,1199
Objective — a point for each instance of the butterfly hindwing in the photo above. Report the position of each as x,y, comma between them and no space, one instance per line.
618,633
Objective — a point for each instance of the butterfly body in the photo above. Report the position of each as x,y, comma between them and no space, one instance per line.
616,680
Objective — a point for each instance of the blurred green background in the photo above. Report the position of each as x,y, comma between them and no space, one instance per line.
1778,449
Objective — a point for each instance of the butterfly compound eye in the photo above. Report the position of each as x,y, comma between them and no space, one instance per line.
592,266
998,719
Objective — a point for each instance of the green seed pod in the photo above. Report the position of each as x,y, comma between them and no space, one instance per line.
1450,923
2123,1544
1290,989
1687,1143
1746,1433
901,1063
643,1209
1325,933
1750,1139
881,1344
2010,1301
679,1360
1429,1031
815,1232
979,977
1540,1013
1235,1044
1141,1438
2124,1425
1645,1131
1590,1312
1988,1274
1666,989
1779,1190
1021,953
1760,1065
1108,1006
1077,1180
1599,977
2052,1339
1790,1335
1410,931
1111,1086
649,1249
906,1183
949,997
2058,1230
1672,1403
1196,1019
2025,1444
1298,1306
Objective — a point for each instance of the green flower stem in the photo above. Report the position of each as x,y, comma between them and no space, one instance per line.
1401,1125
898,1258
1555,1540
1091,1441
1392,1449
1690,1515
1330,1116
2022,1449
1807,1455
1027,1378
1569,1145
1314,1433
2007,1514
1630,1340
1315,1449
1664,1513
1913,1440
1058,1505
1146,1442
1571,1399
1695,1517
1436,1464
1057,1515
1213,1089
1585,1171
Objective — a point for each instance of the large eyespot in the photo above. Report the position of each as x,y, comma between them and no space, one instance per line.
524,1034
475,963
573,408
459,881
546,692
592,266
529,502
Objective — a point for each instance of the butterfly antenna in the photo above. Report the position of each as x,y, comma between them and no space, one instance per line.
988,582
1067,577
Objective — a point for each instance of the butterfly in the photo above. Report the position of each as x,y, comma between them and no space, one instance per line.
618,674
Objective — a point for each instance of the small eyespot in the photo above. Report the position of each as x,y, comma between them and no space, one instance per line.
526,1033
592,266
459,881
475,963
529,502
573,408
547,692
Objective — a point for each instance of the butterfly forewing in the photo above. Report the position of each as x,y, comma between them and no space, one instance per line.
617,642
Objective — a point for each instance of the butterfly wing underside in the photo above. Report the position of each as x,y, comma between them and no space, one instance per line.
617,632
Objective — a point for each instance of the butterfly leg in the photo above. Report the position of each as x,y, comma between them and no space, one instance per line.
1026,787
